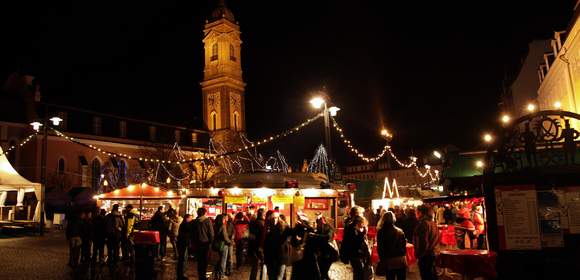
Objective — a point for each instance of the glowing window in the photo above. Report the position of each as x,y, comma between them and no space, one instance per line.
214,52
213,120
232,53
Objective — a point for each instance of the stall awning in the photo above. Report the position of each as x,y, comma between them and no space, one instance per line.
140,190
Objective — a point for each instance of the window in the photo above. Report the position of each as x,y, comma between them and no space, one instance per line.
12,154
123,129
193,137
236,120
96,174
232,53
152,133
177,135
214,52
61,166
213,121
122,173
97,129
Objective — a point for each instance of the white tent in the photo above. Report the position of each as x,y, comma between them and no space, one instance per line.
10,180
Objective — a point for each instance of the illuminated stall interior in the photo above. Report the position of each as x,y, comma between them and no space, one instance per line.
289,192
145,197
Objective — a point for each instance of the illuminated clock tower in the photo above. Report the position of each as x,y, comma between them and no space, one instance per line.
222,86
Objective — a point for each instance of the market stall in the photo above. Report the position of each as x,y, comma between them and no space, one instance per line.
461,220
144,197
13,183
290,193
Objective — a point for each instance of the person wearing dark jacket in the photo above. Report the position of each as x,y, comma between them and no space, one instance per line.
242,231
360,257
426,239
86,237
223,241
99,233
203,236
231,232
256,244
392,248
409,224
349,233
326,254
114,227
73,235
183,241
159,222
276,247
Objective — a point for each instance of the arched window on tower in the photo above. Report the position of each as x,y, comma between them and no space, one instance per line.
236,121
232,53
12,154
214,52
61,166
96,174
213,121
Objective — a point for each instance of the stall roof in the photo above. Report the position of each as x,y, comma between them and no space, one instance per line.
140,190
270,180
10,179
452,197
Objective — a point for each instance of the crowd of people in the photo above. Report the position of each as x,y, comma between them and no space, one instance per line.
265,241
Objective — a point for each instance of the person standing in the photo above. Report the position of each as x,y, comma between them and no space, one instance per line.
276,247
360,257
392,248
159,222
86,237
328,251
231,232
256,245
349,233
426,238
73,235
409,224
203,236
479,226
99,233
242,231
174,222
127,241
114,227
221,245
184,235
440,215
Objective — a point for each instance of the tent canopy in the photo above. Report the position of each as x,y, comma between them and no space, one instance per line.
10,180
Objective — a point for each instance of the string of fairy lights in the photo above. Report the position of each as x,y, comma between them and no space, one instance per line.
433,174
24,142
196,158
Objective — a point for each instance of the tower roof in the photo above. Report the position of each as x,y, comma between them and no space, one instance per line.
221,11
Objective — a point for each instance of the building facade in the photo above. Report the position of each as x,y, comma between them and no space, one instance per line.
222,85
559,73
380,170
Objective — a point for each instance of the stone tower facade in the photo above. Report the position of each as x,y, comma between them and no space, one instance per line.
222,86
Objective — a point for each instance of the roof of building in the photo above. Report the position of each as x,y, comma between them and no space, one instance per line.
222,11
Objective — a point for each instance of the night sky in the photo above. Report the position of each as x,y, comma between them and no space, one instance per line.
430,72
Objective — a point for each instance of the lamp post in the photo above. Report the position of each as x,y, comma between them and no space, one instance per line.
36,126
318,103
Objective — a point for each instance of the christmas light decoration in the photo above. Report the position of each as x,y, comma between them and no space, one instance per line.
24,142
319,163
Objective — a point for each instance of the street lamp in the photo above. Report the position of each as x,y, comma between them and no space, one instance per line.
318,103
36,126
531,107
487,138
437,154
558,105
505,119
479,164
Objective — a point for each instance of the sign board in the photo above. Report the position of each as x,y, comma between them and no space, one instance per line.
236,199
259,199
286,199
299,201
518,208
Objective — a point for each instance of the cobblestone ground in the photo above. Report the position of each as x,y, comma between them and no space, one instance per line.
46,257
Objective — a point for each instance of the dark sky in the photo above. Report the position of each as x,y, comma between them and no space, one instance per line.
431,72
